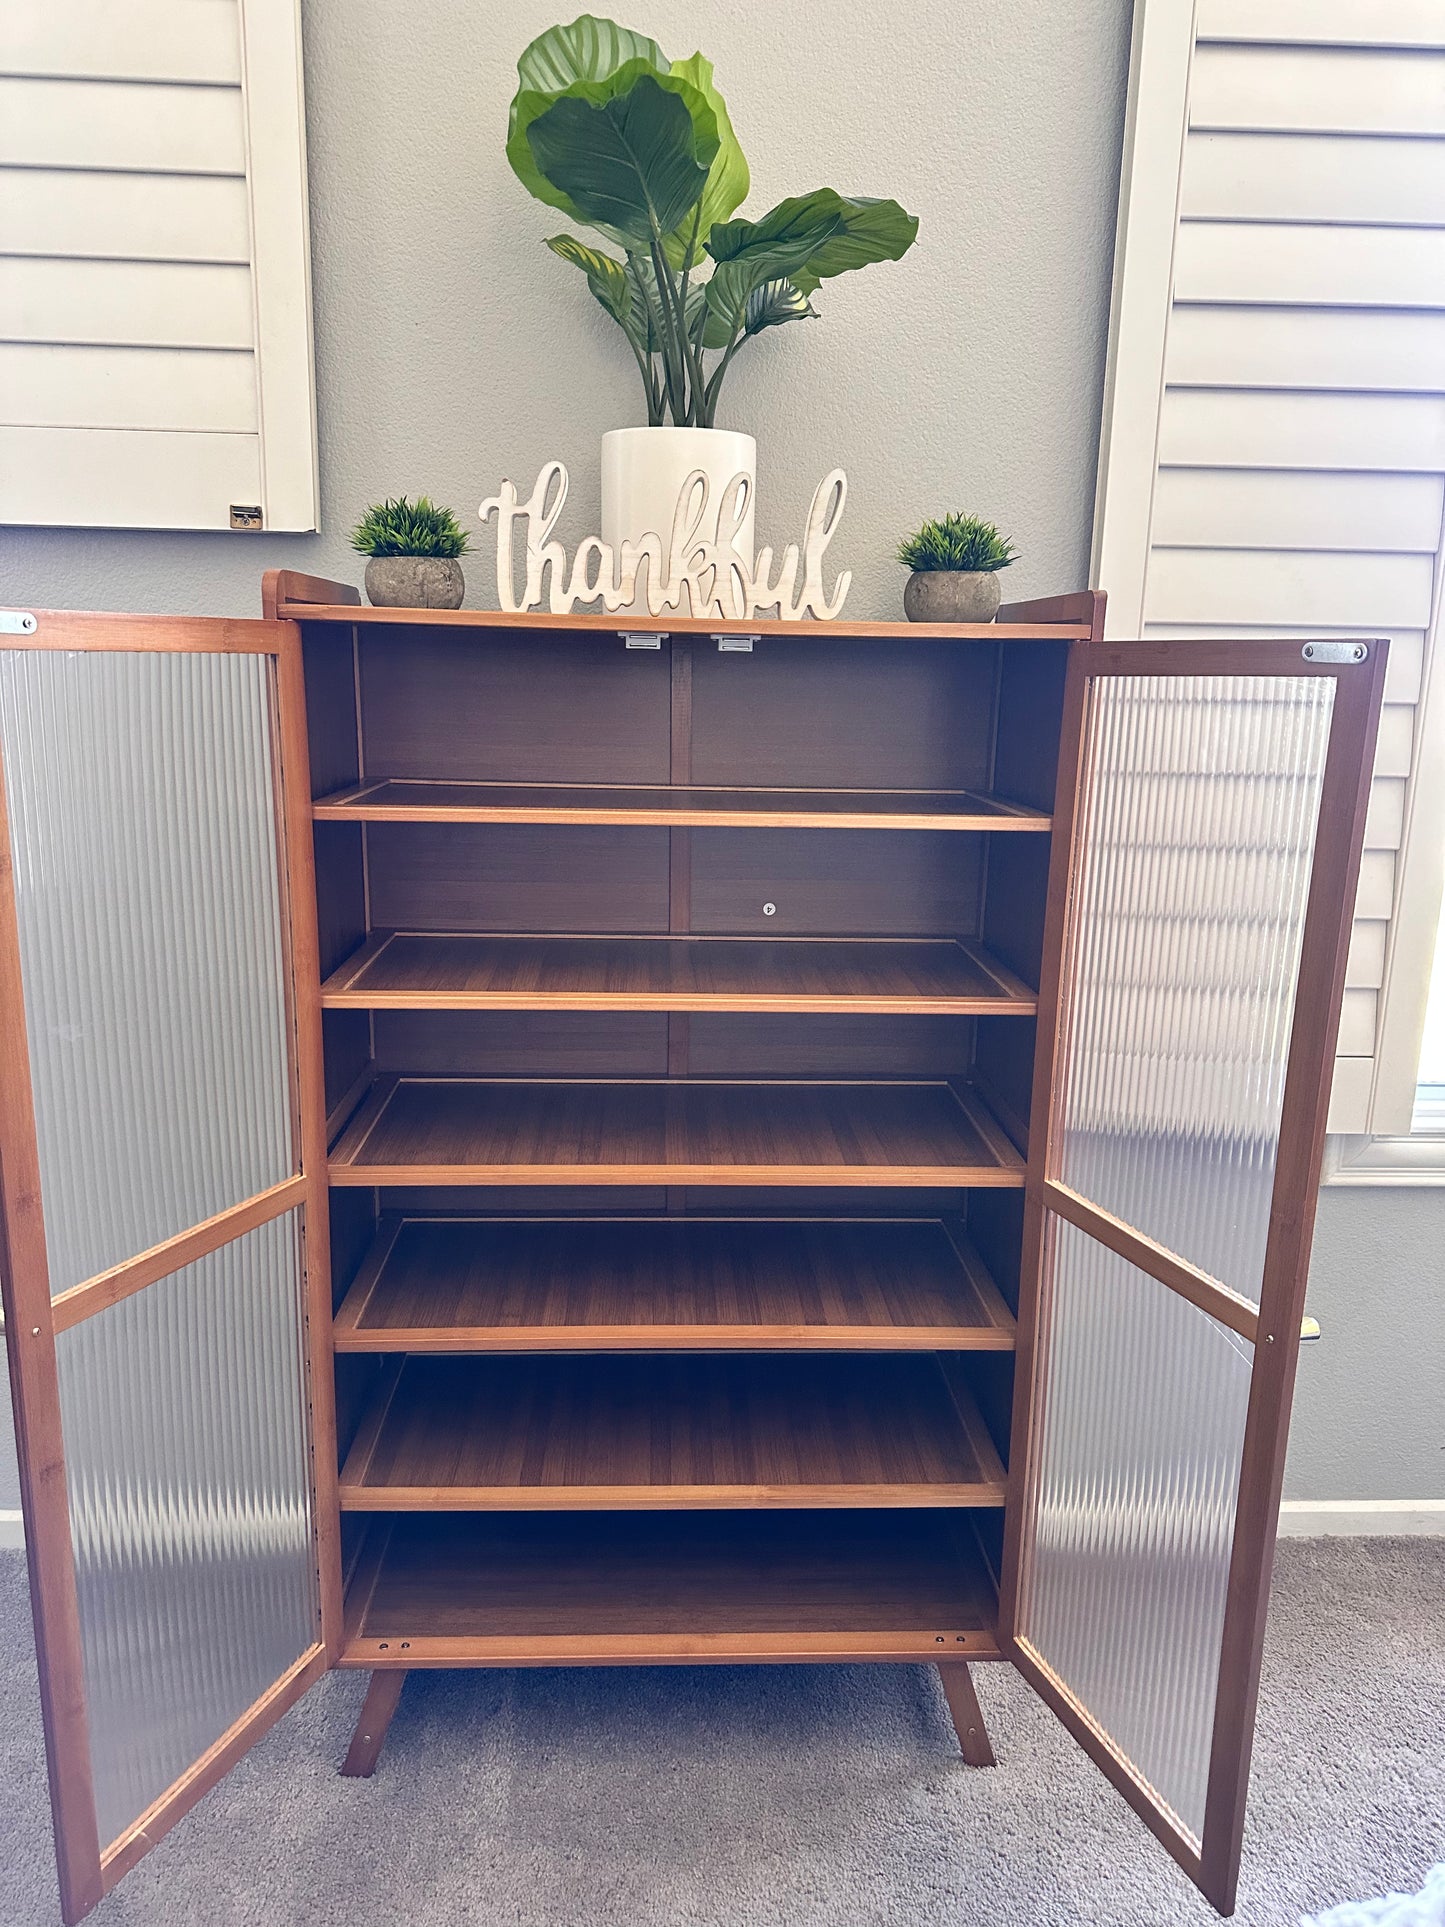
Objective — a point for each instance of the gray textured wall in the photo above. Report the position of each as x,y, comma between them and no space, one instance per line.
452,350
1369,1411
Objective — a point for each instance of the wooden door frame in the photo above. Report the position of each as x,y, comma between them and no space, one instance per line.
1274,1327
88,1868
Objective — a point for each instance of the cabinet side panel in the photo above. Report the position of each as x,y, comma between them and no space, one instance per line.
1030,720
328,661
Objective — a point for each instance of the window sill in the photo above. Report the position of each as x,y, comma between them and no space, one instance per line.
1415,1160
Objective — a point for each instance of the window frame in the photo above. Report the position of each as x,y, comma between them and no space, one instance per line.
1390,1152
274,115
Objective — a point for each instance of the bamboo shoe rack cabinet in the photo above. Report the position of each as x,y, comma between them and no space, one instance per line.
526,1143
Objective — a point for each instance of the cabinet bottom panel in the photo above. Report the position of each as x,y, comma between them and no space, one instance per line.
559,1589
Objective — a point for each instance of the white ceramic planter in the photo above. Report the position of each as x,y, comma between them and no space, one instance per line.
643,469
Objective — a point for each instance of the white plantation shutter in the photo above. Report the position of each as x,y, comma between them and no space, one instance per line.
155,312
1273,458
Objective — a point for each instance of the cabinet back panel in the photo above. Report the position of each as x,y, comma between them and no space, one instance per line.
875,883
562,1043
804,1200
773,1045
521,1200
830,714
518,876
507,707
635,1044
706,1201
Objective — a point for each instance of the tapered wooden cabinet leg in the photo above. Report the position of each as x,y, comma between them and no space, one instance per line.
376,1711
973,1740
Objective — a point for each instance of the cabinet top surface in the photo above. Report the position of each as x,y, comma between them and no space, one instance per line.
294,597
613,625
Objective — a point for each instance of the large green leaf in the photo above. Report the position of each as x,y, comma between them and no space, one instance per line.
792,230
868,231
589,50
749,254
728,179
609,284
802,240
629,154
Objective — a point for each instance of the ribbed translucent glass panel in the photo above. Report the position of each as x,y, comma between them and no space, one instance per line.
1195,851
1137,1480
187,1468
143,827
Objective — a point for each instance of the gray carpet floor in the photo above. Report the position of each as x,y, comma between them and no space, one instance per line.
782,1797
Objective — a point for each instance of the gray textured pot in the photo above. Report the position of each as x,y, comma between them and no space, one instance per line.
414,582
952,595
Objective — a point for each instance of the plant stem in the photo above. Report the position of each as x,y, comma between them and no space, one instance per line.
692,349
644,368
710,394
673,390
677,329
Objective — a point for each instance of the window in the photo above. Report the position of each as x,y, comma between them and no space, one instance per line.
1272,461
155,309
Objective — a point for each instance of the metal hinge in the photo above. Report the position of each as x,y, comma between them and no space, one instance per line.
17,622
636,640
736,645
1335,651
1309,1328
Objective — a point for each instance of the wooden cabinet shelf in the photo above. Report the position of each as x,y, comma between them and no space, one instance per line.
393,801
545,1434
545,1589
486,1131
422,970
746,1284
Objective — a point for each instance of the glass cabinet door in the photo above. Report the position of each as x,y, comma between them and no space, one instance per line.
165,1223
1208,834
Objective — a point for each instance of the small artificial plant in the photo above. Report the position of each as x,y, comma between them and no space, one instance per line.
641,149
409,528
958,542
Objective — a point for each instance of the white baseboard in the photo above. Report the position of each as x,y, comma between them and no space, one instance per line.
1361,1518
12,1529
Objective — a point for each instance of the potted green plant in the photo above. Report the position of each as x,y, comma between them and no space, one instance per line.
640,148
955,564
413,549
